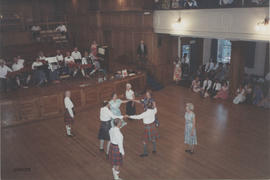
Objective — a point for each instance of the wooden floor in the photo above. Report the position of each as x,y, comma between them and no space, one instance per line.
233,142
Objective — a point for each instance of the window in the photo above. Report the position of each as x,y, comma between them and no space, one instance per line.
186,49
224,51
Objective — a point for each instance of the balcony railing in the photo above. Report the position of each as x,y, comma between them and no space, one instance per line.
208,4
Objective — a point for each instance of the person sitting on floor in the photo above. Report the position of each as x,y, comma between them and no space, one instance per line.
257,94
195,85
215,88
224,92
241,95
207,84
248,90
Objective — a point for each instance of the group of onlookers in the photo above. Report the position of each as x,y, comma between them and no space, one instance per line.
49,69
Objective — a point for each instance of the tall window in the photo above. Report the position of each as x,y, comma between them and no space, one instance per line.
224,51
186,49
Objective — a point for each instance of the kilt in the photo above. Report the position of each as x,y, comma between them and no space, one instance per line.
130,110
115,156
150,133
104,130
67,118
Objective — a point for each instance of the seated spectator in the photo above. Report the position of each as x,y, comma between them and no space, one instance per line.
215,88
195,85
69,64
60,59
78,60
36,32
207,84
224,92
22,77
86,61
53,69
3,76
241,95
62,28
38,73
265,102
257,94
248,90
96,63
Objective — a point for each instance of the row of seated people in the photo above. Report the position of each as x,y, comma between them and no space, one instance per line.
48,69
250,93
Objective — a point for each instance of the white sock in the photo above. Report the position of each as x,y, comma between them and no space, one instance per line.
108,147
68,130
101,146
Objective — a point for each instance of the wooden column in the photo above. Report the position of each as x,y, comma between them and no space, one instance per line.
237,64
267,63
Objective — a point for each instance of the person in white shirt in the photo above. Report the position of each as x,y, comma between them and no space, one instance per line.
36,32
207,84
53,66
3,75
69,113
130,107
38,73
17,66
116,151
61,28
150,130
69,63
216,87
105,117
241,95
77,58
60,59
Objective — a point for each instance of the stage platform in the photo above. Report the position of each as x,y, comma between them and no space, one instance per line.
37,103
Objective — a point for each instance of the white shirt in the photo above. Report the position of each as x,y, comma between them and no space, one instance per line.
36,64
130,94
17,66
69,105
3,71
207,84
42,57
61,28
148,116
53,63
35,28
116,138
209,66
76,55
69,59
107,115
84,60
59,57
217,86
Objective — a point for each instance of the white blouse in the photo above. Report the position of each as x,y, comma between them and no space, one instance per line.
116,137
148,116
130,94
69,105
107,115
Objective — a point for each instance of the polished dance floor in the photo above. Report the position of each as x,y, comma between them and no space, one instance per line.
233,142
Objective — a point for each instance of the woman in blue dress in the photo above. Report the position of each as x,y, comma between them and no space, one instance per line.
190,128
115,104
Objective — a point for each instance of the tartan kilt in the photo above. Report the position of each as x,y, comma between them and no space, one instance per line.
104,130
67,118
115,156
150,133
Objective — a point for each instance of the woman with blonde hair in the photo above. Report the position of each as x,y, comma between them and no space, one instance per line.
190,128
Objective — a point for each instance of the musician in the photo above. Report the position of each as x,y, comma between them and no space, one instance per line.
60,59
86,60
94,48
53,66
96,65
69,61
38,72
3,75
142,54
77,58
41,56
17,66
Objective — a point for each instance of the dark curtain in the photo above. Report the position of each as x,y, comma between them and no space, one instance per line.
194,56
214,45
250,54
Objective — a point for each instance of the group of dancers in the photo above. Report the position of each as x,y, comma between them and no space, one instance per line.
112,121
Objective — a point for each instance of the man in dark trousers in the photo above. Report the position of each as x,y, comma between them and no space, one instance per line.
142,54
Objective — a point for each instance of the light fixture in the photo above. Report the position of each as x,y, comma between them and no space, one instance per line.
177,24
262,25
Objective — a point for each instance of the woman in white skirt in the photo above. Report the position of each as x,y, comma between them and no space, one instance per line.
190,128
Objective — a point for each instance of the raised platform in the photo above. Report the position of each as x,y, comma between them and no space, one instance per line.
36,103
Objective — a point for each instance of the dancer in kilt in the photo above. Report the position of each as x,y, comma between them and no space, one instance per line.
69,113
150,131
190,128
105,117
116,152
130,107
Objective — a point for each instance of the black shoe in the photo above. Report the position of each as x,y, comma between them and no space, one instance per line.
143,155
101,150
154,152
187,150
